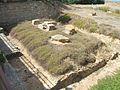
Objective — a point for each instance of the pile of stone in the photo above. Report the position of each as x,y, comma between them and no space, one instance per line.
70,30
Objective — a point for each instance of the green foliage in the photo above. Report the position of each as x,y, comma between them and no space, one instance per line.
104,8
70,1
93,28
2,58
53,57
64,18
108,83
83,1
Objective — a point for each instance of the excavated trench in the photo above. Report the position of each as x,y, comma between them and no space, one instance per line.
74,76
83,72
77,75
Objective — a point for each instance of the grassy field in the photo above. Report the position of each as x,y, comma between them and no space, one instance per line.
108,83
52,57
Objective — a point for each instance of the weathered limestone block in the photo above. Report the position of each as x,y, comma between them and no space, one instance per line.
47,26
35,22
60,38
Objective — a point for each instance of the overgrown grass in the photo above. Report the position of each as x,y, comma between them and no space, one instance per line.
108,83
86,23
104,8
53,57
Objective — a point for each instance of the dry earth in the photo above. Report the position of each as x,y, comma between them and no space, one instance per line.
113,44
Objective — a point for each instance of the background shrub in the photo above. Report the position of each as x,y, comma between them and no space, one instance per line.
64,18
104,8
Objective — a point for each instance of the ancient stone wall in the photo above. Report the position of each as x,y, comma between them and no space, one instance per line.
21,11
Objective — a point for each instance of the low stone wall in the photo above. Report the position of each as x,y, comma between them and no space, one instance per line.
78,75
21,11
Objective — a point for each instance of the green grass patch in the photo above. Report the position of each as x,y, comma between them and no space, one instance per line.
108,83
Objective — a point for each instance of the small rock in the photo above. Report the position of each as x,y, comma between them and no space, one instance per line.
94,14
114,56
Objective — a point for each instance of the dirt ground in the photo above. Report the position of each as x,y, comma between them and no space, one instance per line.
113,44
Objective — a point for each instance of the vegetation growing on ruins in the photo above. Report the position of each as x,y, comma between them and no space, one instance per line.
55,58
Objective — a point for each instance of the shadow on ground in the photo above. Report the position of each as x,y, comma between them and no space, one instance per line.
28,80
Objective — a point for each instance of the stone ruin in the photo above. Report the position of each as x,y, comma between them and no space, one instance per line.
60,39
70,30
47,25
36,22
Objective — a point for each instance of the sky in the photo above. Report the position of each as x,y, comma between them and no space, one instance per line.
116,0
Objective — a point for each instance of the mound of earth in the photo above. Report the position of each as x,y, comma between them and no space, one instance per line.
57,59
